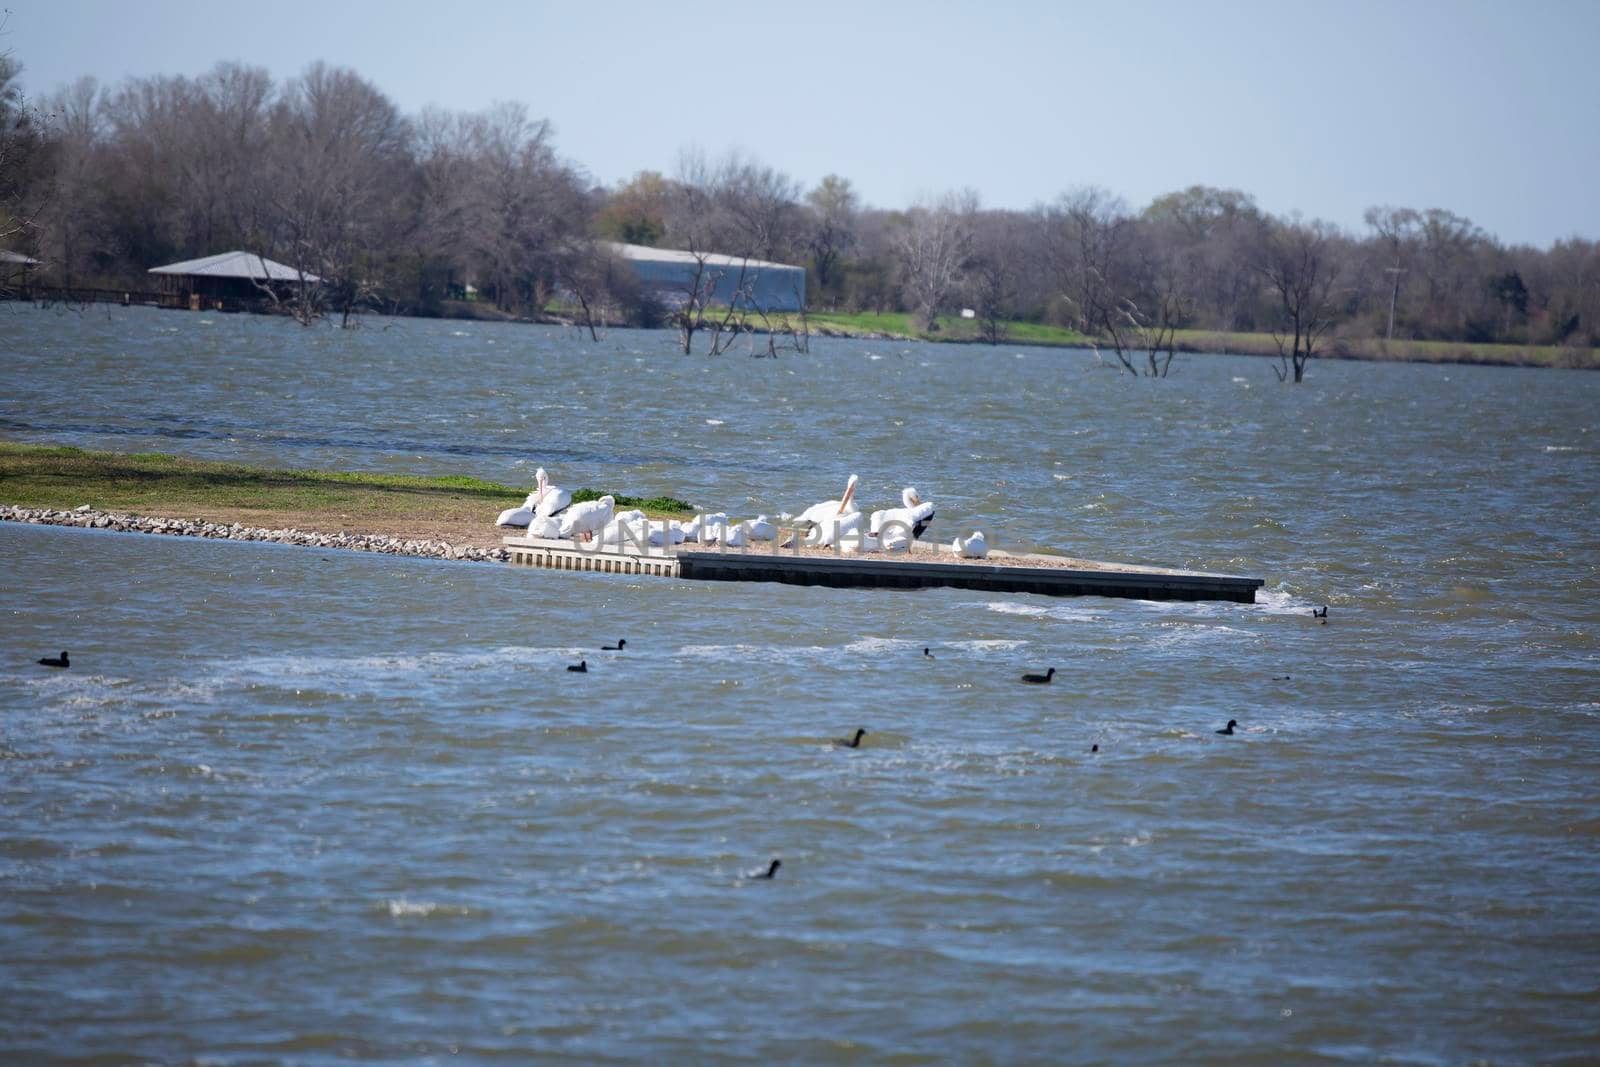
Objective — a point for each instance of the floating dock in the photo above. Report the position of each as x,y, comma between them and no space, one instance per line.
922,569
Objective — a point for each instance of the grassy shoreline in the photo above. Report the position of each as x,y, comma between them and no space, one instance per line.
897,326
457,509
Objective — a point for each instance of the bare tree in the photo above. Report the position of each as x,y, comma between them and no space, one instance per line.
1168,269
933,246
337,146
692,224
1091,258
1396,231
759,209
723,217
1301,268
23,163
832,233
992,275
73,209
1215,233
604,287
526,206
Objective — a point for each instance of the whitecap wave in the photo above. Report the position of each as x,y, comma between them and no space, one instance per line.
402,908
1060,612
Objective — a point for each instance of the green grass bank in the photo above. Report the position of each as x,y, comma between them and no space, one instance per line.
152,483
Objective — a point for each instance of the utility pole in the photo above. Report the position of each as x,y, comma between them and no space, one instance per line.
1393,295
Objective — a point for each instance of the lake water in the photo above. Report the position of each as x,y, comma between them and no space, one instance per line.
311,807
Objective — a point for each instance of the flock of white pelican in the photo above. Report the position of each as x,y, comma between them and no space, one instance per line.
549,512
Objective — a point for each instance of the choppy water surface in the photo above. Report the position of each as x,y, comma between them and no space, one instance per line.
301,806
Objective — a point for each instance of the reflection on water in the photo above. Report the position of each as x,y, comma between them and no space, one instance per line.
308,806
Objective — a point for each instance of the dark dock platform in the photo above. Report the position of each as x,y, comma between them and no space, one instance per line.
925,568
1013,574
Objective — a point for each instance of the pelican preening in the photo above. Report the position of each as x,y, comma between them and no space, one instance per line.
553,500
545,502
898,527
588,518
827,522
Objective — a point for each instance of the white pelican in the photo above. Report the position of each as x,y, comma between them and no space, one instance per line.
548,526
713,527
904,524
830,518
636,534
736,535
974,547
691,529
518,516
588,518
762,529
858,540
549,499
666,533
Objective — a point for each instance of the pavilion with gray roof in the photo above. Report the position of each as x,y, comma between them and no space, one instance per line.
228,280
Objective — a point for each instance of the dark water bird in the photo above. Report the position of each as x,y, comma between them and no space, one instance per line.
580,667
927,653
770,872
51,661
618,647
1228,729
854,742
1040,679
1281,678
1094,748
1320,613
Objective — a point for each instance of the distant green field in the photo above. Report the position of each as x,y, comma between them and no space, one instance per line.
1263,344
951,328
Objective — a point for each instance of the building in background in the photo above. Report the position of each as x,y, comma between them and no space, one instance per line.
669,276
15,268
228,281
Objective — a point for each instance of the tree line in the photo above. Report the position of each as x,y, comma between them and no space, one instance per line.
401,213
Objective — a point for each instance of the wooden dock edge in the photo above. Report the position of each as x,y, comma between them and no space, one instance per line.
1127,582
888,573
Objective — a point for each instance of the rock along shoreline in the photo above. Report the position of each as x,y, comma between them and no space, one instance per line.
87,517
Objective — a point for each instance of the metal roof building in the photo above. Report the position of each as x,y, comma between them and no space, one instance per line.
227,281
244,265
668,274
14,267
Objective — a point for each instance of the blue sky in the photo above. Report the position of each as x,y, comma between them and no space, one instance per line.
1491,110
